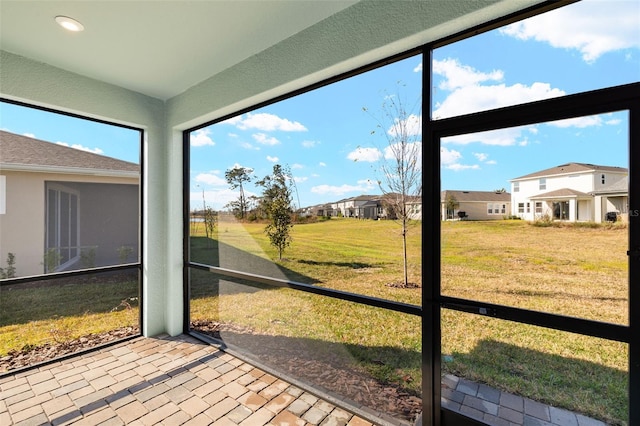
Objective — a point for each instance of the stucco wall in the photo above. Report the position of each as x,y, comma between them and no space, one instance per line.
36,83
22,229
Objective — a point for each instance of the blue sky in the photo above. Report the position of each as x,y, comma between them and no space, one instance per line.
325,137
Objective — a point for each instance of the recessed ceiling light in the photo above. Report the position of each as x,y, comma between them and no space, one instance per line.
69,23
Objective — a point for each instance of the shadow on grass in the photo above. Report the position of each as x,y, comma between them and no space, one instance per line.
212,252
577,385
352,265
66,297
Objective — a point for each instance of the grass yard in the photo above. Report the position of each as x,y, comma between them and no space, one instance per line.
563,270
61,310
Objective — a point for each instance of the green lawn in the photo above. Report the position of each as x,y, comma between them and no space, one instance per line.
576,271
55,311
562,270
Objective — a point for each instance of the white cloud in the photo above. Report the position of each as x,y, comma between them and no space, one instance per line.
413,149
201,138
411,126
363,186
450,160
579,122
591,27
322,164
458,75
30,135
265,122
457,167
216,198
310,144
492,162
264,139
502,137
475,98
300,179
247,145
449,156
296,166
480,156
272,159
211,178
418,68
365,154
81,148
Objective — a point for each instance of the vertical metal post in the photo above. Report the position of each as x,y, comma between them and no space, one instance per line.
430,254
634,265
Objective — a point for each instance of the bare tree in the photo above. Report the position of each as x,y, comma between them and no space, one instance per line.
401,165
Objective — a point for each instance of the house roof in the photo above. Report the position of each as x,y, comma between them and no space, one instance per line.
476,196
19,152
620,186
571,168
560,193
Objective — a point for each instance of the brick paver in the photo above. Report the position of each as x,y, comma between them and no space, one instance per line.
183,381
498,408
152,381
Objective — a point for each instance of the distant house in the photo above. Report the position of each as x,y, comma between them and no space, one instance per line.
572,192
474,205
367,207
59,203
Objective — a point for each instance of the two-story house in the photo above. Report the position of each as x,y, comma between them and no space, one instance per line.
572,192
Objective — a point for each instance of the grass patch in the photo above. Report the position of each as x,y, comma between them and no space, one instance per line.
61,310
563,270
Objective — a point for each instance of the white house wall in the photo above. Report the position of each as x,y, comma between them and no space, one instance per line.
22,229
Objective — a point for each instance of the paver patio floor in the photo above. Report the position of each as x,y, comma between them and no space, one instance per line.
183,381
171,381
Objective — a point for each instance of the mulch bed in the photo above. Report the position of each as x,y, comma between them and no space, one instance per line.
320,364
312,361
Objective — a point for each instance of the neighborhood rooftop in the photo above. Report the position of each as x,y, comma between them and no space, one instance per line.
480,196
26,152
572,168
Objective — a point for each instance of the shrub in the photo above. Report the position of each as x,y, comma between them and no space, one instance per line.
10,270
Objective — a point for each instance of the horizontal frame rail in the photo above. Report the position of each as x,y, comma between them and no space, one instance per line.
335,294
582,326
576,105
57,275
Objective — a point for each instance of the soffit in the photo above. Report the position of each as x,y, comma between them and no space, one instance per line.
162,48
158,48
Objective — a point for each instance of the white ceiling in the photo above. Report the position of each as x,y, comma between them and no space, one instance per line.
158,48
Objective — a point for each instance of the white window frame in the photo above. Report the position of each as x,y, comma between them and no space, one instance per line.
62,189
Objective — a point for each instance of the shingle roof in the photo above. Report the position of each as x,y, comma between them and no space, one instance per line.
620,186
18,150
561,193
477,196
569,168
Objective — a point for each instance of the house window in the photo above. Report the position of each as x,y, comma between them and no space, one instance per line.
520,207
62,230
489,208
516,186
543,183
503,210
538,207
602,177
528,207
